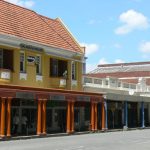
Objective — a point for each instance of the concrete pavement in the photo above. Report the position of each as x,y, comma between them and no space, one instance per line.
122,140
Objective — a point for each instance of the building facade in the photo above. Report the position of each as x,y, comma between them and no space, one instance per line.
41,89
127,93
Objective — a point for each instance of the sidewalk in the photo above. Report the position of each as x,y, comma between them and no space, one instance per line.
65,134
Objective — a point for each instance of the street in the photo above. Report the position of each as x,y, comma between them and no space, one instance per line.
123,140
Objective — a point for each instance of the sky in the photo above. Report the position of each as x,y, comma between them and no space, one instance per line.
113,31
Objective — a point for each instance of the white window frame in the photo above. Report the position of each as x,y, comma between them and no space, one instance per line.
74,71
24,62
39,65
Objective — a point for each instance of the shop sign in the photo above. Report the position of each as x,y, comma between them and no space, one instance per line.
5,75
30,59
57,97
25,95
83,98
31,47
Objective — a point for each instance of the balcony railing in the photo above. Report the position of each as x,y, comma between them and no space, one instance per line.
114,83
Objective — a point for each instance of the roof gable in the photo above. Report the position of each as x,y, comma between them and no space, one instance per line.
59,27
24,23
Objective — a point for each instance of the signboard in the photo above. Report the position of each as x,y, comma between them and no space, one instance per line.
62,82
57,97
25,95
83,98
31,47
31,59
5,75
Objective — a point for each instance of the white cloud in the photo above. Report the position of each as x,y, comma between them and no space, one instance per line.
145,47
23,3
90,48
132,20
118,61
103,61
92,66
117,45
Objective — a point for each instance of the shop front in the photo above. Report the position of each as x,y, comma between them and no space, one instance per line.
30,111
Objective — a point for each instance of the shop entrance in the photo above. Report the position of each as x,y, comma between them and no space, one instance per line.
132,115
81,116
23,117
114,115
56,116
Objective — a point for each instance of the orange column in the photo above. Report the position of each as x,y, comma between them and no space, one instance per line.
0,116
3,117
92,116
39,117
44,117
68,117
72,116
103,116
95,108
8,125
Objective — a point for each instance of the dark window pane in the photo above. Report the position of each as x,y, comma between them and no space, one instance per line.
57,67
8,59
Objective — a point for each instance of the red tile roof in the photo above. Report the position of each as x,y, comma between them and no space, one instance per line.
27,24
63,32
121,74
124,64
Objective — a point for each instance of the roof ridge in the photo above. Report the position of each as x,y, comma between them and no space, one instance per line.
48,25
57,32
125,64
69,32
46,17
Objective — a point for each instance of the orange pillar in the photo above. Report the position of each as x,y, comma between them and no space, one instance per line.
92,116
95,110
68,117
0,116
103,116
44,117
3,117
39,117
72,116
8,117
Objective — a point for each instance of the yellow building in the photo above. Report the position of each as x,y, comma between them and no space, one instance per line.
41,67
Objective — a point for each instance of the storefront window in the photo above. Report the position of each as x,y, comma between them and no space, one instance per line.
23,117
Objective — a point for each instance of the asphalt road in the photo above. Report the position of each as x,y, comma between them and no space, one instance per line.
124,140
